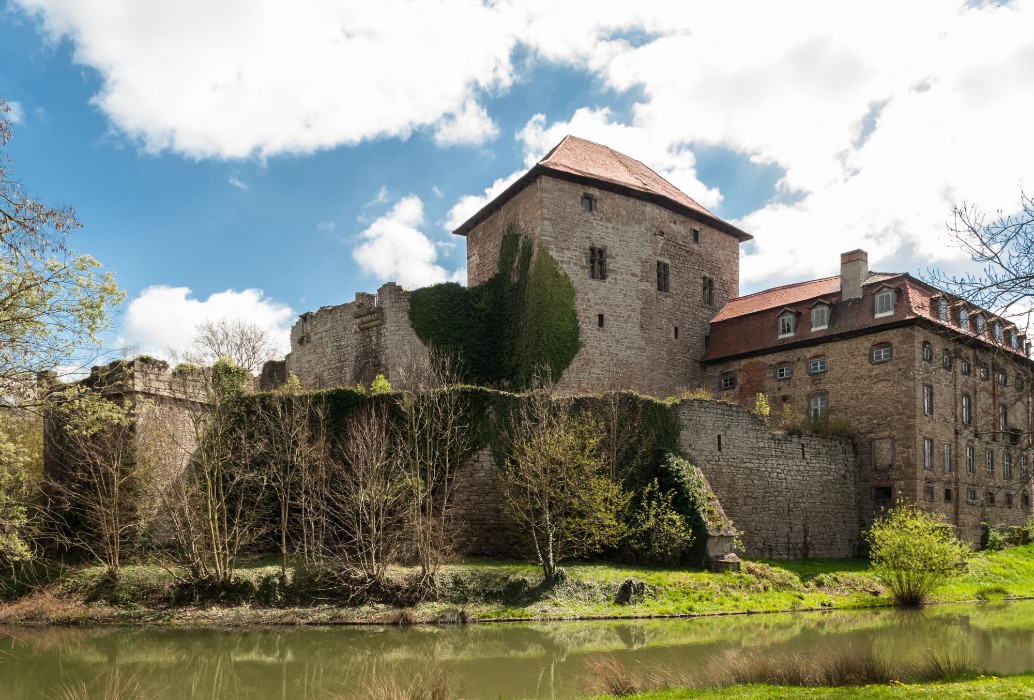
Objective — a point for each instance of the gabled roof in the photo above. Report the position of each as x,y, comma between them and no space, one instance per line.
595,164
789,294
747,325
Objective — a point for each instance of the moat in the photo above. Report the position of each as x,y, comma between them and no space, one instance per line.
490,660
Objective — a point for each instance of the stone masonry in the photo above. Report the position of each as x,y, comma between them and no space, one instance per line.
354,342
790,496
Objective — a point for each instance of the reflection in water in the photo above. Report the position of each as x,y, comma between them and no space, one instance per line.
490,660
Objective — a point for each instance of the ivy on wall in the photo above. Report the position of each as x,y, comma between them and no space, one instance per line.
521,322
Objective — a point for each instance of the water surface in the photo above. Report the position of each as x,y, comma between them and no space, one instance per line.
490,660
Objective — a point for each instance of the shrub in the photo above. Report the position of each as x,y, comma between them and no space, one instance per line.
658,534
913,553
380,386
992,537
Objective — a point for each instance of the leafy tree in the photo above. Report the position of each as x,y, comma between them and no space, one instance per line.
558,488
913,553
21,471
53,302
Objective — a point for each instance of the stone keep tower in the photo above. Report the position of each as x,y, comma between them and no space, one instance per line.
650,266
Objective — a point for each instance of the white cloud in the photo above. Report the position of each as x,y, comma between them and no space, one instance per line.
394,249
238,184
470,204
244,77
326,227
470,125
164,318
16,113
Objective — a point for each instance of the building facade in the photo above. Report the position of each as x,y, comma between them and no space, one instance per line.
649,265
937,392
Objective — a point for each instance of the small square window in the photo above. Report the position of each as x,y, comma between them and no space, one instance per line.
696,235
819,317
985,373
787,324
588,203
1008,500
817,365
883,493
881,353
784,372
946,361
727,381
990,498
818,407
1003,378
949,495
927,352
965,367
971,495
928,492
884,302
662,276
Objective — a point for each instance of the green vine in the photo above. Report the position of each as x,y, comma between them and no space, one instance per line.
503,333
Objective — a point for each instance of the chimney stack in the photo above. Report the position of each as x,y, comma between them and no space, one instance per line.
854,269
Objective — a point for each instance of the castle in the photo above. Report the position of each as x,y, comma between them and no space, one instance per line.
937,393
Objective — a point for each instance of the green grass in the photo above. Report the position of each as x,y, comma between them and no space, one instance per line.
980,687
491,590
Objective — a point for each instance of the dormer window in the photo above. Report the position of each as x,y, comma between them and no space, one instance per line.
998,332
978,322
819,317
942,309
1013,343
884,302
787,324
963,319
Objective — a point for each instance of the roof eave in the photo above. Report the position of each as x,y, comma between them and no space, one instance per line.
539,169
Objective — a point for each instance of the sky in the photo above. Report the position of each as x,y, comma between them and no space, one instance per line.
257,159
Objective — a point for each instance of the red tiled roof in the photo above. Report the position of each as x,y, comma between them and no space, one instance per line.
789,294
748,325
583,159
580,157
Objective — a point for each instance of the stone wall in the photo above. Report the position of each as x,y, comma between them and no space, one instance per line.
650,341
790,496
352,343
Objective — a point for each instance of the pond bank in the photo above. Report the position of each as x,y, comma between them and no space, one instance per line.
495,591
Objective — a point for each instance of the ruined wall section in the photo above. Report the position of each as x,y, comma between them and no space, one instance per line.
790,496
354,342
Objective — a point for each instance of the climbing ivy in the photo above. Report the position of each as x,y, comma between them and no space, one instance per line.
503,333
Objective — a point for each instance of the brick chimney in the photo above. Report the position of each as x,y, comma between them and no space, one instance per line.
854,268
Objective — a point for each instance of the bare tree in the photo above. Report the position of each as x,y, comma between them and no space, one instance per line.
101,478
248,345
557,484
434,439
1004,249
371,495
210,507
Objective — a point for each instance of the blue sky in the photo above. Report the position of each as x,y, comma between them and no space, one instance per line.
248,159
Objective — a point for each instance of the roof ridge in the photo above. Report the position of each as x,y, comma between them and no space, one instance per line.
784,286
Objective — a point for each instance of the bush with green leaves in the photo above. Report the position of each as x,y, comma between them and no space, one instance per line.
913,553
659,535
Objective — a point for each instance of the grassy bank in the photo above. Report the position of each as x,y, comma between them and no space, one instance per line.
977,687
489,590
